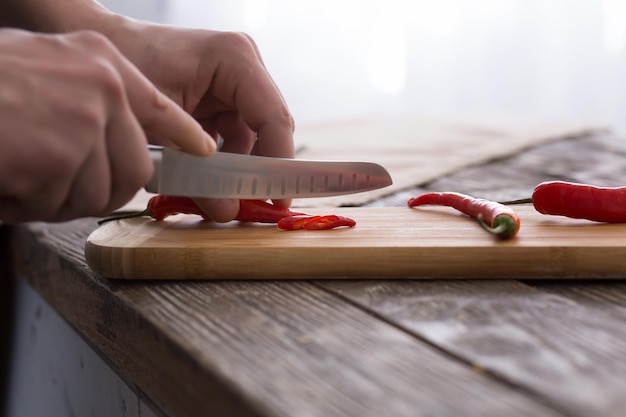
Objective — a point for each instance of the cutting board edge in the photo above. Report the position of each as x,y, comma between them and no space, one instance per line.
410,263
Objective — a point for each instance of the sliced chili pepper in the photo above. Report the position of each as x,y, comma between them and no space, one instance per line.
494,217
263,212
305,222
161,206
579,201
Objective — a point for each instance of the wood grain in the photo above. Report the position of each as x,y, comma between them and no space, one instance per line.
258,348
386,243
569,332
548,343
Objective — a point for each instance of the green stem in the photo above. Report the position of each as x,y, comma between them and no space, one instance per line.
505,226
122,215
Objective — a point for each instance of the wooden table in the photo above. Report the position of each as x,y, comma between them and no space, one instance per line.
358,348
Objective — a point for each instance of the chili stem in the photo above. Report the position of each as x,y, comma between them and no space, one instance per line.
504,229
495,230
520,201
124,215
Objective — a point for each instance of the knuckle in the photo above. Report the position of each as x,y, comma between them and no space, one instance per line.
249,40
107,89
99,65
238,42
158,100
92,40
283,119
160,108
107,77
286,119
88,118
235,39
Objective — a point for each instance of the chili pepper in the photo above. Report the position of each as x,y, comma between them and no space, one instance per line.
579,201
161,206
494,217
300,222
263,212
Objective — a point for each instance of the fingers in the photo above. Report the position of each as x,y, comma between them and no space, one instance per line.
91,191
266,113
130,164
219,210
261,123
238,137
242,82
276,125
164,119
157,114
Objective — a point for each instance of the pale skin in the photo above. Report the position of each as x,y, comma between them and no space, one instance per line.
79,103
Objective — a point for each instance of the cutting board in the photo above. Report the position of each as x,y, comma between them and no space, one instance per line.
425,242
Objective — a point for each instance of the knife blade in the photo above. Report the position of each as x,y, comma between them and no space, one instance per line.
229,175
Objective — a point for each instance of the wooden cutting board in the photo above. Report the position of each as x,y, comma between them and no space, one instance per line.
426,242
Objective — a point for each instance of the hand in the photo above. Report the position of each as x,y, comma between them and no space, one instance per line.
74,115
219,78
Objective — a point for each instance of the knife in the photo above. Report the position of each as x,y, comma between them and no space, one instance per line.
229,175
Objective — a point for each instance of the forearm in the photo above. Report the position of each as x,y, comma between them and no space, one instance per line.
55,15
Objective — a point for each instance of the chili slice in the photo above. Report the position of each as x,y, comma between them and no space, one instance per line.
579,201
494,217
305,222
262,212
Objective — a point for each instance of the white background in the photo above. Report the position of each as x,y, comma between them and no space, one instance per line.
337,59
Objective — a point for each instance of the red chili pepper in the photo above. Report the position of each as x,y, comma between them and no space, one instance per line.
494,217
579,201
161,206
305,222
262,212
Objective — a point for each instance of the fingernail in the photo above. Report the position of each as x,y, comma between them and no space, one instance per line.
211,144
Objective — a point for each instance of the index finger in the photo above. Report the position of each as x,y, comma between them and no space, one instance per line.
163,118
160,116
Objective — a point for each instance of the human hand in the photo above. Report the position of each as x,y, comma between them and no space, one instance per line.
219,78
74,114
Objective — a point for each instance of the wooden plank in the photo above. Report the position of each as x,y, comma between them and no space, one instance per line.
255,348
567,353
602,294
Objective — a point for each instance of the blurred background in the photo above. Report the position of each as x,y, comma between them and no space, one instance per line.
347,59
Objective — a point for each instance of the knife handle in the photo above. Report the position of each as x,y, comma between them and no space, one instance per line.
156,154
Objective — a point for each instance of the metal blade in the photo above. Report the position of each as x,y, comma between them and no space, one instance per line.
228,175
